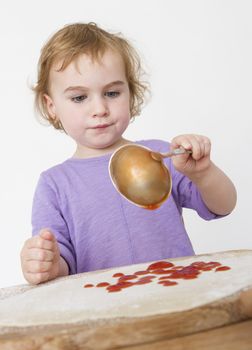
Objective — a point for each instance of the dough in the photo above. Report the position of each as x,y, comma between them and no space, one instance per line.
65,300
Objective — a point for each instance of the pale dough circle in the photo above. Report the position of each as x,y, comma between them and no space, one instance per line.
66,301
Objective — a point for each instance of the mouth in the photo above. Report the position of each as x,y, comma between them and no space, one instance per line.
101,126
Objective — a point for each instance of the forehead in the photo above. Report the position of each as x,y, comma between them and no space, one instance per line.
86,67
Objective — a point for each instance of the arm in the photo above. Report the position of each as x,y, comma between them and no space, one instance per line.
216,189
47,212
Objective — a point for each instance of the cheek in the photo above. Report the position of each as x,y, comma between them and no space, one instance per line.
125,106
67,114
124,120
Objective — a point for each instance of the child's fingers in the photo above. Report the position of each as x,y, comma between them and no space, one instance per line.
197,149
207,148
40,254
45,233
35,266
40,243
44,240
205,145
200,145
181,141
35,278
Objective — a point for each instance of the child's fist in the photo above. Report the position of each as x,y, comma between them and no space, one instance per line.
197,162
40,258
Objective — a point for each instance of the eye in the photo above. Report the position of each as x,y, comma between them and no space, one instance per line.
112,93
78,99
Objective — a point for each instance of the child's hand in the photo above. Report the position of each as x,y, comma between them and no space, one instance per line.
40,258
196,163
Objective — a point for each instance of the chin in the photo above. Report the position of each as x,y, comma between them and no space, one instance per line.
103,145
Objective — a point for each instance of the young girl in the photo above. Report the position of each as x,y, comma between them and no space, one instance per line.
89,86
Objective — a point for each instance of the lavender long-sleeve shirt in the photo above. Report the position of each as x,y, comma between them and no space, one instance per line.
97,228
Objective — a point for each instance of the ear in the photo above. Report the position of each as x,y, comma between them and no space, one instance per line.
50,106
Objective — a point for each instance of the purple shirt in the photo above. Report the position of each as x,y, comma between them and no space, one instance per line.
97,228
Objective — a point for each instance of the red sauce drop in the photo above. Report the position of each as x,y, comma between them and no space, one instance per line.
161,272
152,206
214,263
139,273
160,265
127,277
186,272
198,264
164,278
150,276
143,281
112,289
124,284
168,283
118,274
103,284
202,266
177,268
207,268
189,277
175,276
88,286
223,268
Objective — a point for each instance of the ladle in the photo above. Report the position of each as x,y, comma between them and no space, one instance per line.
140,175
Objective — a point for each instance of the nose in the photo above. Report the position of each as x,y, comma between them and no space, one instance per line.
100,108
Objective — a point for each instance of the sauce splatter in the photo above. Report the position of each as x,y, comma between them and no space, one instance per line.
103,284
164,272
223,268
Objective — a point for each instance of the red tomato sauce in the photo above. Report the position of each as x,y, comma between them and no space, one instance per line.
163,273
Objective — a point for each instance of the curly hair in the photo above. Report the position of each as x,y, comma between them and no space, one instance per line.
67,44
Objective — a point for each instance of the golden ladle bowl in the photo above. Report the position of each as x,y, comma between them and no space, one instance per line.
139,174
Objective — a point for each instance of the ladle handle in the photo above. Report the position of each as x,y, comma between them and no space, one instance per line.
175,152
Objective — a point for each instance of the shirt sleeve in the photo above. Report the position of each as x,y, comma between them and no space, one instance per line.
46,213
187,195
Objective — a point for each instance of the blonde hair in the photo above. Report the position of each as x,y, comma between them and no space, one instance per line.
69,43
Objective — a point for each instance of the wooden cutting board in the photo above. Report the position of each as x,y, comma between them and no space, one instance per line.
63,314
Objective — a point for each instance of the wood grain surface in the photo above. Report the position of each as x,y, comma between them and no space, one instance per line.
134,333
234,337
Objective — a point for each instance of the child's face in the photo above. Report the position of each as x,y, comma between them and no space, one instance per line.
92,101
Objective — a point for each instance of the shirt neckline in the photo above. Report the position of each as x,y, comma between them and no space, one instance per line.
102,158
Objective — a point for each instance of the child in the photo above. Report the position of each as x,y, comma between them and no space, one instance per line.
89,86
